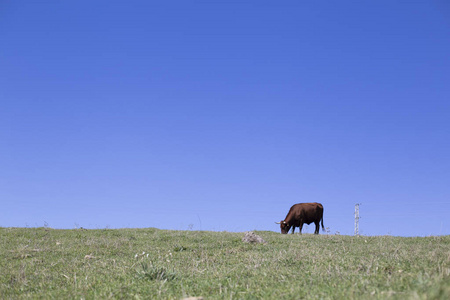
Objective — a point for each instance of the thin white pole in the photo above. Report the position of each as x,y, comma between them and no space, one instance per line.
357,219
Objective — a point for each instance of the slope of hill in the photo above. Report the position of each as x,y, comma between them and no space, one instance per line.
151,263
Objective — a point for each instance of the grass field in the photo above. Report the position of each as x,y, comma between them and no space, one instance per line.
150,263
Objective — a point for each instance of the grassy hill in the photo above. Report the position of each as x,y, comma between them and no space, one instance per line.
150,263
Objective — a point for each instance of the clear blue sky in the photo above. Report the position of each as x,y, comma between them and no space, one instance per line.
219,115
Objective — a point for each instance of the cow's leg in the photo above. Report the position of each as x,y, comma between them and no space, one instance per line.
317,228
300,227
293,229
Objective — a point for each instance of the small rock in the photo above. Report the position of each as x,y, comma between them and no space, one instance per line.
251,237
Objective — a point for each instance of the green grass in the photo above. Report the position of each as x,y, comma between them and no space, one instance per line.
150,263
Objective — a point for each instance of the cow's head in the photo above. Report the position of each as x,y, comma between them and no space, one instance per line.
284,226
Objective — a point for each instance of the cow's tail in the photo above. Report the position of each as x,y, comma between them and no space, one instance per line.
323,228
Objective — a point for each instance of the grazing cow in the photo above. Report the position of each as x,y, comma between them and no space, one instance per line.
300,214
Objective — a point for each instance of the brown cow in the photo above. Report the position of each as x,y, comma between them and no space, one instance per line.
300,214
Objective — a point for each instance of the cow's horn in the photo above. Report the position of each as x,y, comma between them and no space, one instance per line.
277,222
284,222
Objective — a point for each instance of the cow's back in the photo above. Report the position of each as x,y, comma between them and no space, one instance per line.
306,212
